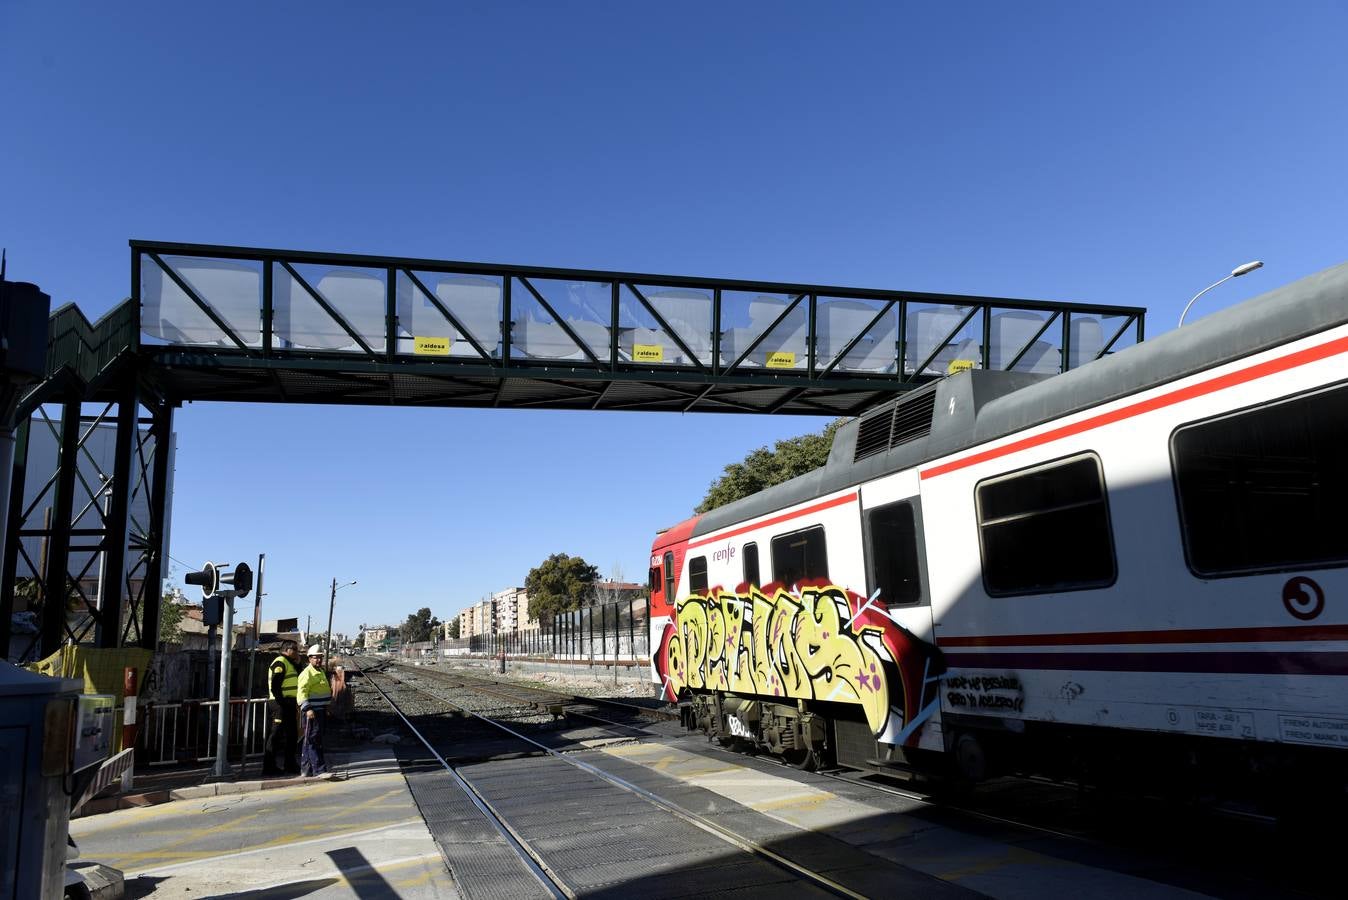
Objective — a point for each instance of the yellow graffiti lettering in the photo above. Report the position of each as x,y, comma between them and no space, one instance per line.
788,645
693,630
841,667
717,678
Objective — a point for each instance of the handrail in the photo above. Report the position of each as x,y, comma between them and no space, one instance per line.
83,350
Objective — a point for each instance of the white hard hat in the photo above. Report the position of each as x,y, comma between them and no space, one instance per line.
315,650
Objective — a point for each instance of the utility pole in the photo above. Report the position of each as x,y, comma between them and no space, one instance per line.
252,661
332,603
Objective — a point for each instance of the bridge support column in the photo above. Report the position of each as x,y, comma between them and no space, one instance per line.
156,549
112,584
56,574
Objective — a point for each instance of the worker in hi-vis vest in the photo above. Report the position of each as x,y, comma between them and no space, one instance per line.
314,694
282,711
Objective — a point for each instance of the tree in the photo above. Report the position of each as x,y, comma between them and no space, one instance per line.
559,584
763,467
359,643
419,626
454,627
170,619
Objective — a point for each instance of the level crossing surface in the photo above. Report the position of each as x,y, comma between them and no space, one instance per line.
397,825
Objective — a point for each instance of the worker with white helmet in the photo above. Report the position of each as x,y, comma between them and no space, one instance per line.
314,695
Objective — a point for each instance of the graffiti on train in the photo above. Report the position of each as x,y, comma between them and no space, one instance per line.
819,642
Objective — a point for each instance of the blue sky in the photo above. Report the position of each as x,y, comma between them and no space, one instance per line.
1126,154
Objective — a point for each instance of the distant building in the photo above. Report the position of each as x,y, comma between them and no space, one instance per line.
195,634
276,630
377,634
512,610
478,619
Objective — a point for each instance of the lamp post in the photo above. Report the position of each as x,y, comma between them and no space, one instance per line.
332,603
1235,273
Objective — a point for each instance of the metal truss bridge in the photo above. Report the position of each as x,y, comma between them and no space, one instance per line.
252,325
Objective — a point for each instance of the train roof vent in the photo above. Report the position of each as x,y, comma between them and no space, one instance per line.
905,420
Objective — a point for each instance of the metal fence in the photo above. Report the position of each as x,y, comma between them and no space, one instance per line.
173,733
616,632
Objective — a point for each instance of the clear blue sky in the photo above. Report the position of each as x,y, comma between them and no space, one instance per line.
1127,153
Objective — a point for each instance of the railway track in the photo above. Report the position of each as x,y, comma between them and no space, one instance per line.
638,834
1179,848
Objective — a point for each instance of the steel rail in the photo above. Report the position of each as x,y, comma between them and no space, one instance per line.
550,880
748,846
564,700
488,686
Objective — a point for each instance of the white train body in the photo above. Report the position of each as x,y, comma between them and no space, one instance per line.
1151,545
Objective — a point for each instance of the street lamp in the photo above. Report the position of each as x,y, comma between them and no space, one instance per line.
332,602
1235,273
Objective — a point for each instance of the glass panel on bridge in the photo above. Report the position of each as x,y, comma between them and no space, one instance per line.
1124,326
1024,341
687,312
473,300
748,316
534,332
839,320
356,296
937,343
229,288
584,306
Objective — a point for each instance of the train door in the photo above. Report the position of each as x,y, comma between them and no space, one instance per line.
896,575
896,568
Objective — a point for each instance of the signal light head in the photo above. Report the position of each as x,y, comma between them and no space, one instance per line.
208,579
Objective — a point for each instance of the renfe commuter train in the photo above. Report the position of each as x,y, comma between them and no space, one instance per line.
1136,566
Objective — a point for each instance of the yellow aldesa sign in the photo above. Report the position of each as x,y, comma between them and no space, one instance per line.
959,365
781,359
648,353
431,346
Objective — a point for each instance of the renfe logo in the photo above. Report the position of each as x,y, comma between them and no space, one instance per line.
725,554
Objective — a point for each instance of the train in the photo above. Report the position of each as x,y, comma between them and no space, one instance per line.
1135,566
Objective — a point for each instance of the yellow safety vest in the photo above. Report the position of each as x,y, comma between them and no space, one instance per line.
292,675
313,687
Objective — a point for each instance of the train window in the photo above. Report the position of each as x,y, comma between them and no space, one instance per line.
669,577
799,555
751,564
1265,488
1046,529
892,547
655,579
697,575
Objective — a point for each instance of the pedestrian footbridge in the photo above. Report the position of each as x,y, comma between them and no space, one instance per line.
278,326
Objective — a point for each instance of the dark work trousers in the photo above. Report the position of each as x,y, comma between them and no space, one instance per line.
311,760
282,734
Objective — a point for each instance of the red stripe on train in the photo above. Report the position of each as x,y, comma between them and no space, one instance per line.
827,504
1212,385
